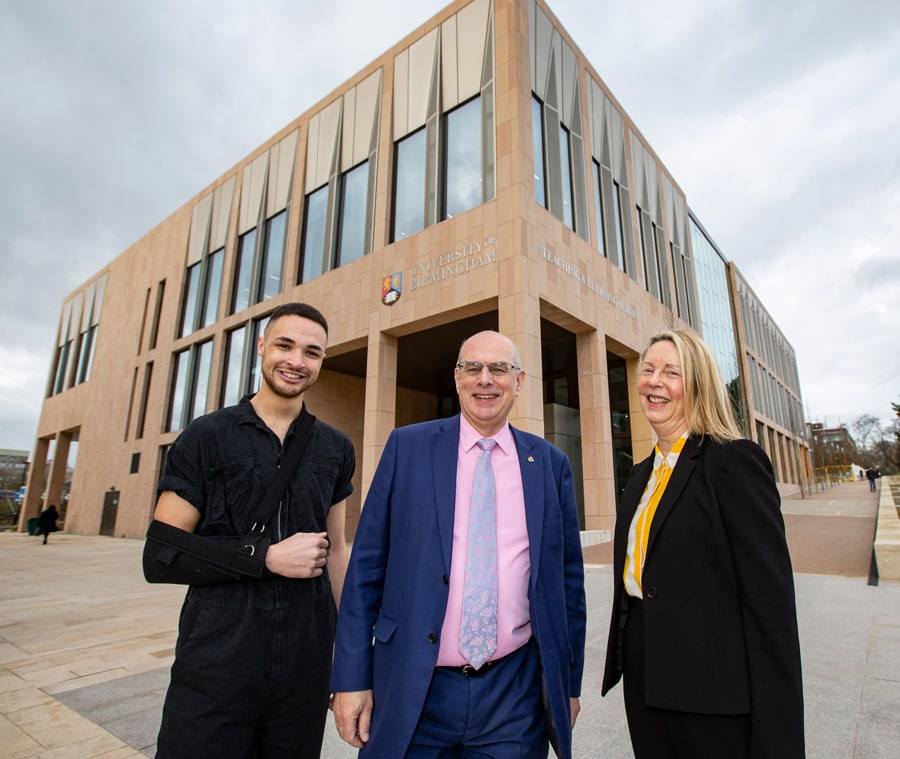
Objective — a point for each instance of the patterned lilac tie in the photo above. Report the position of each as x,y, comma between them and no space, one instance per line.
478,627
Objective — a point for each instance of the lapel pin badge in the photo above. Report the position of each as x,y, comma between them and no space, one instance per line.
531,459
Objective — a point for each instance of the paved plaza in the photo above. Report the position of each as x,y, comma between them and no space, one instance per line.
85,643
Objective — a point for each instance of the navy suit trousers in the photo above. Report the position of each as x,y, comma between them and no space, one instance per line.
495,715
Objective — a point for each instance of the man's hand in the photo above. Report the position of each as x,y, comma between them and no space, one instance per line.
575,706
353,716
300,556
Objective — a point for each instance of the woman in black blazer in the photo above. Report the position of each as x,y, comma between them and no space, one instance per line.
704,622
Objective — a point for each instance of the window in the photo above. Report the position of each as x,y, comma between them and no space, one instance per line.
314,235
272,258
253,362
352,233
537,138
202,363
662,265
203,281
145,394
157,311
620,421
189,307
179,390
683,279
409,186
565,168
62,360
653,258
242,363
244,271
619,226
463,159
190,385
87,355
560,182
444,168
213,286
648,256
234,362
598,210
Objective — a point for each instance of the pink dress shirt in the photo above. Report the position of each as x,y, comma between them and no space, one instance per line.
513,616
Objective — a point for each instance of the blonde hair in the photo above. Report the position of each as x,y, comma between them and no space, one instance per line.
706,404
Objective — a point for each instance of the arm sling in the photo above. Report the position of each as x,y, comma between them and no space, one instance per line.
173,555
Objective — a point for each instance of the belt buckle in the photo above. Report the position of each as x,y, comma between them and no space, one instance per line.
469,671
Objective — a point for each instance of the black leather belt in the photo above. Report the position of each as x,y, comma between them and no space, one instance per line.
467,670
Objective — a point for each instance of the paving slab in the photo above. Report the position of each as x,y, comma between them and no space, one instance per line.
86,644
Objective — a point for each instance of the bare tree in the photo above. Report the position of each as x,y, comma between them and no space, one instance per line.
866,431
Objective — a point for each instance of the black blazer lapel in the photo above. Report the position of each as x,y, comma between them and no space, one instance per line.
684,467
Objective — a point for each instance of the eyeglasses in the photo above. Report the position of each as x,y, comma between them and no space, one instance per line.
497,369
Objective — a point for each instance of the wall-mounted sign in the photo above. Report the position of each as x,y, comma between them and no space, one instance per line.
453,263
595,287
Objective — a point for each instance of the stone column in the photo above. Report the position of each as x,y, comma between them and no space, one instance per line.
31,506
596,433
58,470
381,399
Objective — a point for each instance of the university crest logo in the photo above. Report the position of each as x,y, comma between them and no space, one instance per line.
391,288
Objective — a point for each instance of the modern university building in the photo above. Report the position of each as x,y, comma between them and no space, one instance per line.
477,175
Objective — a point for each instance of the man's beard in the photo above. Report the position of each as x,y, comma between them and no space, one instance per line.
284,389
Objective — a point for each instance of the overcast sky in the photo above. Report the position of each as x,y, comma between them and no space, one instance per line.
779,120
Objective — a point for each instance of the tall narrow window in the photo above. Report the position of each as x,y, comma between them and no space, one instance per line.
145,394
619,224
212,287
203,281
662,266
59,382
244,272
232,389
253,370
189,307
200,384
565,167
314,234
190,385
409,186
273,258
598,210
620,421
157,311
352,232
463,159
87,355
537,138
648,265
179,390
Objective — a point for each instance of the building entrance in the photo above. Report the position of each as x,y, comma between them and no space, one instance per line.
110,512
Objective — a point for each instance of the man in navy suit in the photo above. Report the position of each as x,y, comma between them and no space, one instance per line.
402,686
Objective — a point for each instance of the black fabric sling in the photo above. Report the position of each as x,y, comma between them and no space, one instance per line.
173,555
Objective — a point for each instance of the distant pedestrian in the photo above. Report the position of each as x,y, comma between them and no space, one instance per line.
47,521
871,474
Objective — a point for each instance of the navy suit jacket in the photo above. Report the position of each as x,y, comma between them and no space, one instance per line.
395,593
720,616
